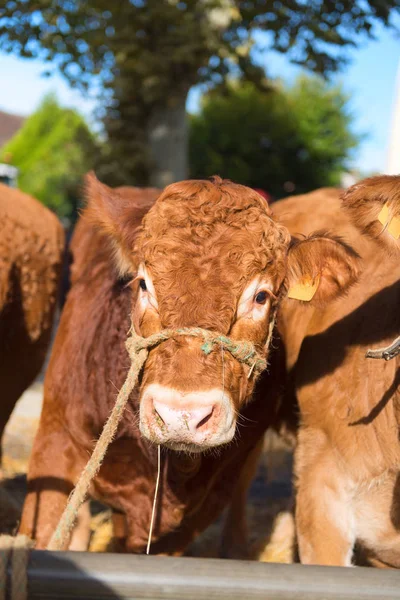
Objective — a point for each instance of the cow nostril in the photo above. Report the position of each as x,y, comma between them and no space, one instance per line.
205,420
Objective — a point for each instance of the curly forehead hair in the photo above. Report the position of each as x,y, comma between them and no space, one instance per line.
207,239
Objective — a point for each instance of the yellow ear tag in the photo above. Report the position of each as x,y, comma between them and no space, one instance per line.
304,289
393,225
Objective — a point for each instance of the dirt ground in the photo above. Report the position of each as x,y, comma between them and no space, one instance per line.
271,528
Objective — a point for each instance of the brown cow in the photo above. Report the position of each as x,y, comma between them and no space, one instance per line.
348,453
31,247
208,254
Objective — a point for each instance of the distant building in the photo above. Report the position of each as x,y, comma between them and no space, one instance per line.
8,175
9,125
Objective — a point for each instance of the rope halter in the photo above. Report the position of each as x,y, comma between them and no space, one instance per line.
243,351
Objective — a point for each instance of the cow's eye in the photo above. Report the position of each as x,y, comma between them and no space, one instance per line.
261,297
142,284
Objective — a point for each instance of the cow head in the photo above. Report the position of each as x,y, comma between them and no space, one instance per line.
374,207
208,254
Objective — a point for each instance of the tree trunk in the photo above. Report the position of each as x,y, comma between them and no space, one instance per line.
168,144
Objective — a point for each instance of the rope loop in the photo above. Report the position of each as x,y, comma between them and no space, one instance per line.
243,351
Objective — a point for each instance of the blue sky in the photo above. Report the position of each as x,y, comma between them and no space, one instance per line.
370,78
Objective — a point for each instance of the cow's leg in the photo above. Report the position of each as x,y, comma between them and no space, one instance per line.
325,521
378,523
81,533
234,543
120,533
53,470
7,406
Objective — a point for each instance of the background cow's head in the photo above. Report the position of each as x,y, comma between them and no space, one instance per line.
374,207
208,254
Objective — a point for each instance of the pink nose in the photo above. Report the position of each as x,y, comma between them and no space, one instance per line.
180,419
199,419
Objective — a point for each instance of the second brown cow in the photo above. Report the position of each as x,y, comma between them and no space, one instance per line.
348,452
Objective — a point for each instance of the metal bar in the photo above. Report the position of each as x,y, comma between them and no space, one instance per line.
72,575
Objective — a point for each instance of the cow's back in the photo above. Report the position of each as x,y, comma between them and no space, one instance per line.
31,246
318,210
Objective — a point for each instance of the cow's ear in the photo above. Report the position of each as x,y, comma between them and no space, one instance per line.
374,207
320,268
116,216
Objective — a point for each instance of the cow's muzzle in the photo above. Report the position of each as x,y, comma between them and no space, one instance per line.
191,421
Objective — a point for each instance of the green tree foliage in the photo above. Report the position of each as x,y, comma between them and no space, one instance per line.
52,150
144,55
298,135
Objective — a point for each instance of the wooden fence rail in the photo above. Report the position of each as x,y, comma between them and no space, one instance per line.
73,575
